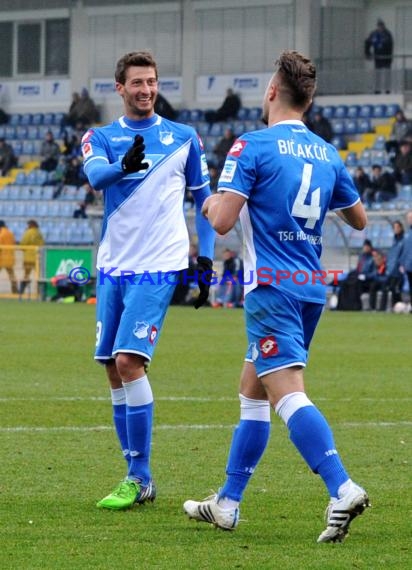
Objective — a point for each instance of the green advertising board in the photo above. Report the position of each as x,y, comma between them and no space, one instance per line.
64,261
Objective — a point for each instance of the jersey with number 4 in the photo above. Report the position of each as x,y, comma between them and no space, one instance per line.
290,178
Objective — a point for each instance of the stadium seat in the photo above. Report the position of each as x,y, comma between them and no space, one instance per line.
379,111
340,112
184,115
20,178
328,111
48,119
216,130
365,158
196,115
255,113
351,159
17,147
28,147
392,109
4,193
21,132
58,119
353,112
26,119
32,132
339,142
37,119
364,125
14,119
366,111
243,114
10,132
351,126
379,143
338,126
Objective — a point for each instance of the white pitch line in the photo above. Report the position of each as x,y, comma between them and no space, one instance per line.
186,399
163,427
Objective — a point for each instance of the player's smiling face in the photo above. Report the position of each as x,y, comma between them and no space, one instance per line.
139,92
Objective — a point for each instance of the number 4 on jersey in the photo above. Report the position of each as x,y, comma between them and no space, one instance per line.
309,211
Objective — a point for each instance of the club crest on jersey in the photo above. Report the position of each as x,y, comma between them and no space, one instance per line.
153,334
268,346
166,138
254,351
237,148
141,329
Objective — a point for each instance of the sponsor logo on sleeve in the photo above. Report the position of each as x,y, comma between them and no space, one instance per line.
203,163
87,136
237,148
202,146
228,171
87,150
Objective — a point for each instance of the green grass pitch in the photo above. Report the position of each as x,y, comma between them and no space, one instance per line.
59,454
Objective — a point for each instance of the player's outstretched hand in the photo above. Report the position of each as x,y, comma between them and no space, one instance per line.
134,157
204,272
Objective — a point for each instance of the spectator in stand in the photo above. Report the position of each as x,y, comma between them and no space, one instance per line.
394,277
361,180
403,163
214,174
357,281
321,126
73,173
379,46
89,200
8,159
230,292
7,240
164,108
401,129
406,258
49,152
378,279
4,118
382,188
228,110
83,111
31,237
223,146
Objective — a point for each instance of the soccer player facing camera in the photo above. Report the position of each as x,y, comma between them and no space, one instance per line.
143,163
282,181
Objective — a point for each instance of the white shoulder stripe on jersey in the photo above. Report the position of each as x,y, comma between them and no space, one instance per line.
198,187
344,208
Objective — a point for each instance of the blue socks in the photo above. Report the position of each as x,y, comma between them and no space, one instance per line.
248,444
313,438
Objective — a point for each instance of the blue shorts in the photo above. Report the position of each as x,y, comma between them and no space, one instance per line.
130,315
279,329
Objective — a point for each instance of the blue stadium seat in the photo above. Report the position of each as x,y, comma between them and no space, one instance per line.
353,112
379,111
328,111
21,132
341,112
14,119
351,126
37,119
338,126
351,159
203,128
32,132
184,115
366,111
196,115
26,119
379,143
365,158
58,119
48,119
364,125
4,193
20,178
255,113
10,131
17,147
339,142
243,114
392,109
28,147
216,130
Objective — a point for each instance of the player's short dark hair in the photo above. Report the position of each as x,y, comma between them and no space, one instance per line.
298,78
134,58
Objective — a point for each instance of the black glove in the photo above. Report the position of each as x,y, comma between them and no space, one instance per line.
134,157
204,273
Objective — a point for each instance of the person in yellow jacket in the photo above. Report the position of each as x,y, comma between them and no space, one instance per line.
31,237
7,254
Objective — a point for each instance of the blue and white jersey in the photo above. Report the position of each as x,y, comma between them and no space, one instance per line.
291,178
144,228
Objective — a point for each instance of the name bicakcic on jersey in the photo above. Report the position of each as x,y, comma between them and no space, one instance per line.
262,276
289,146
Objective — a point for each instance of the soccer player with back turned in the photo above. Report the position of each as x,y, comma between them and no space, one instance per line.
143,163
282,181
